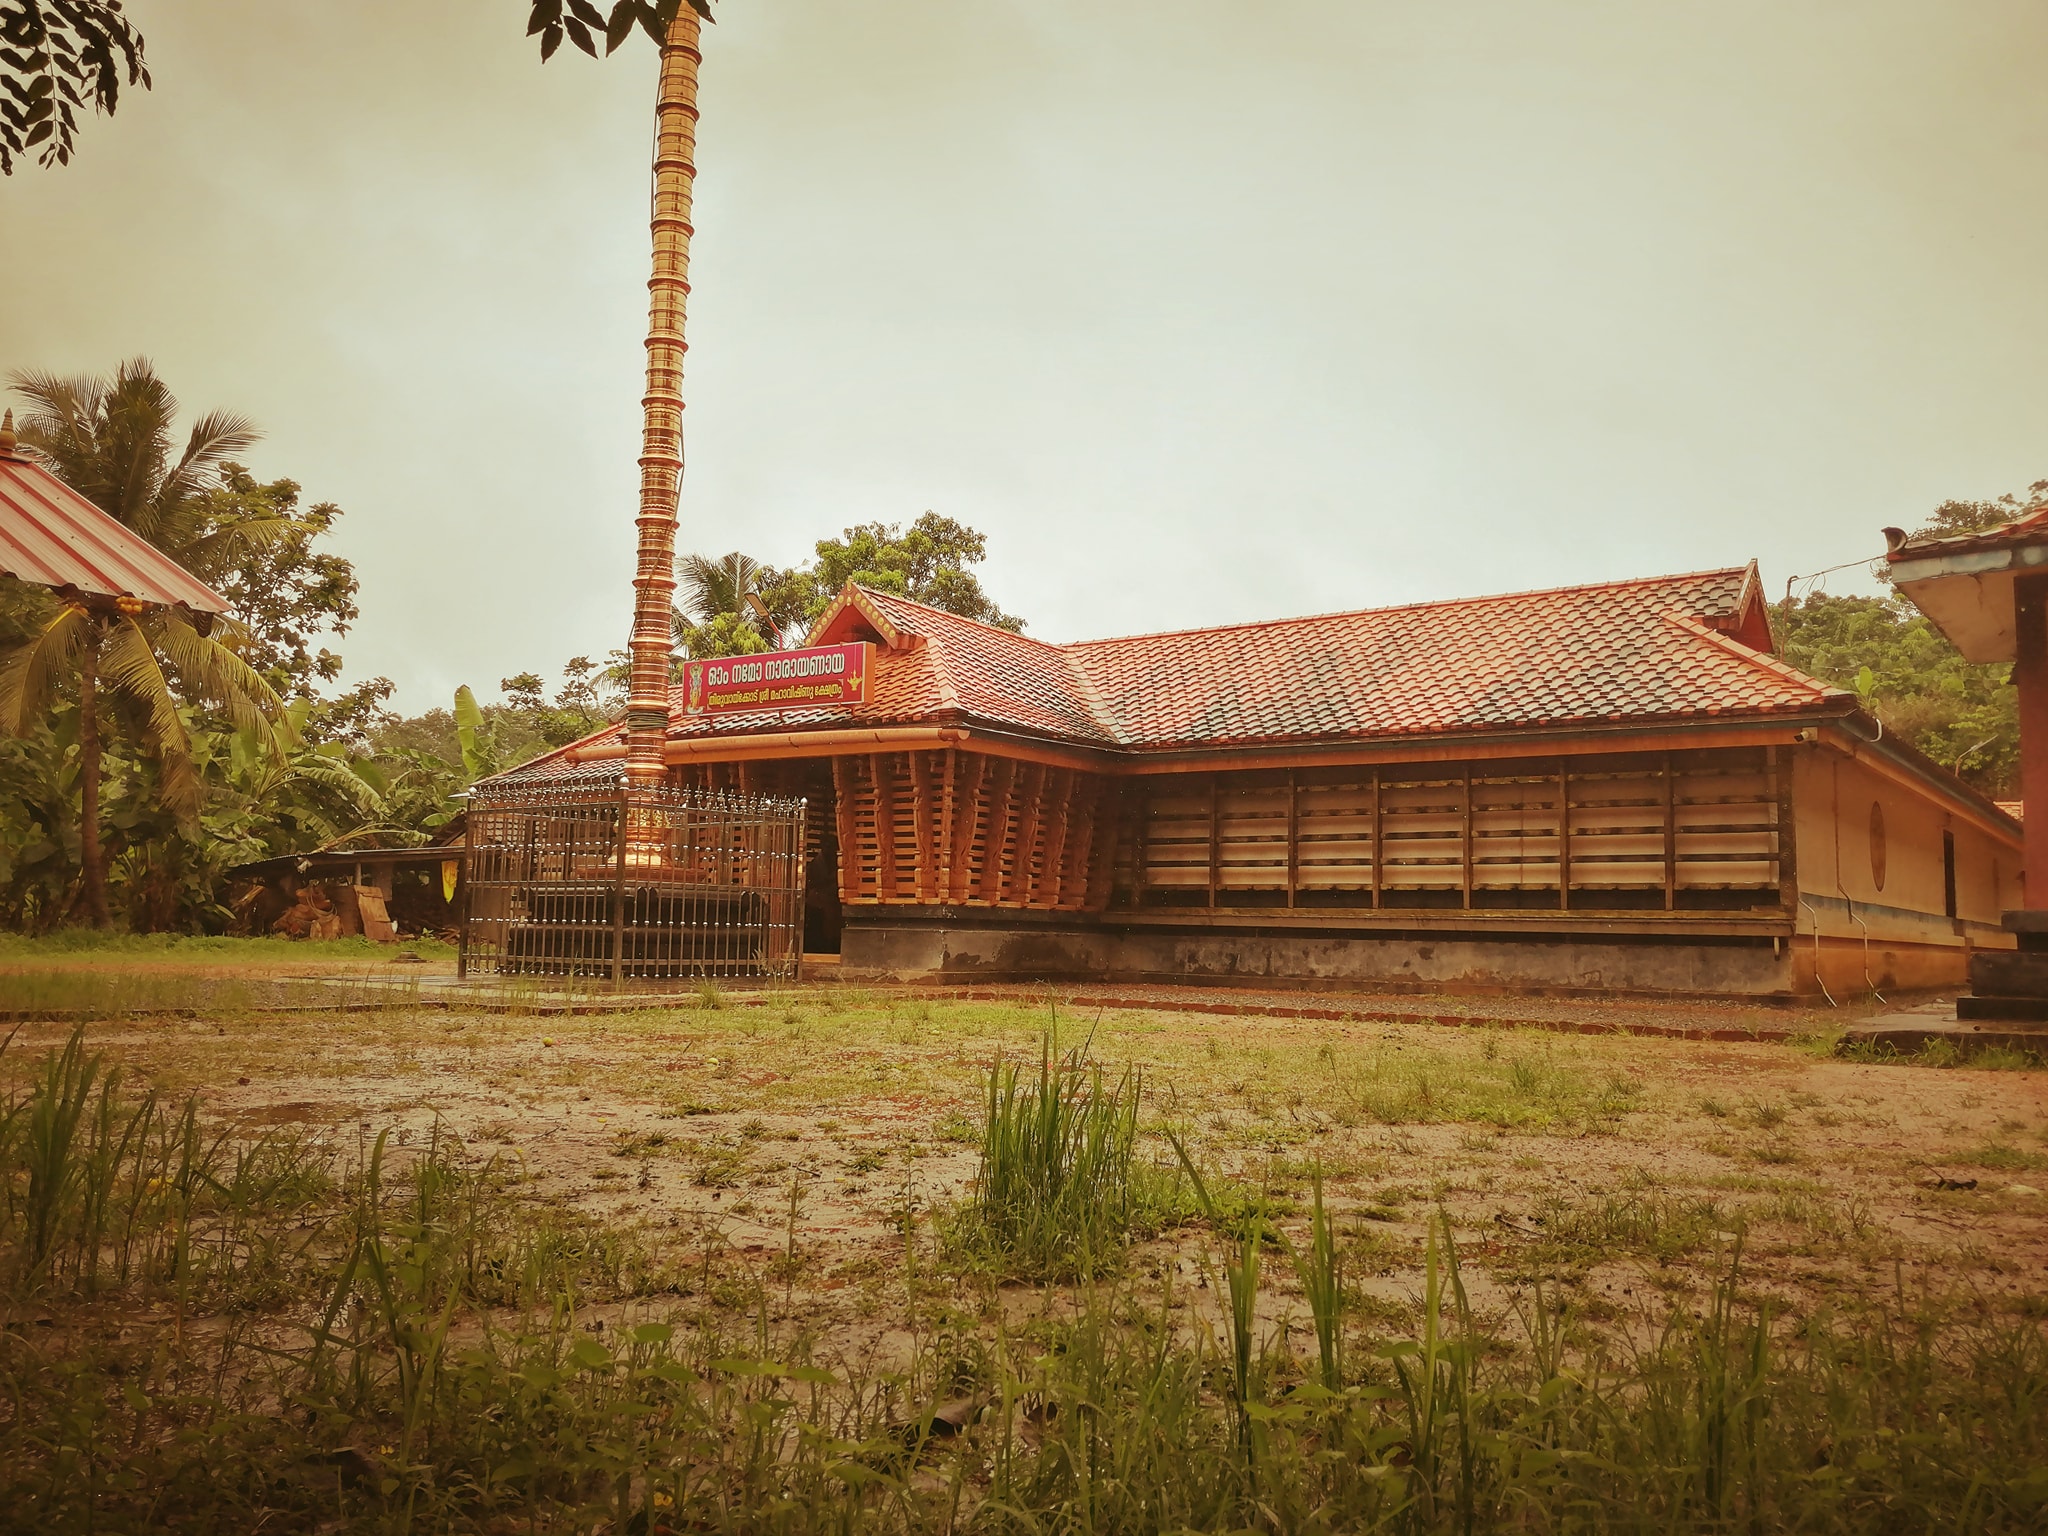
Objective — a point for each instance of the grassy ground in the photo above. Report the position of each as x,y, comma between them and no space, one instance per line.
822,1259
76,971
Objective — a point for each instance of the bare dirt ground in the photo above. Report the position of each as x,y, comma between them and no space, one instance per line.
803,1133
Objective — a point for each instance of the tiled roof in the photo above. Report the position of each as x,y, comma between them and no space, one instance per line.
2029,528
1663,648
1629,650
52,536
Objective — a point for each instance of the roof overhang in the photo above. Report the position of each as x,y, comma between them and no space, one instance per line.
1965,587
50,536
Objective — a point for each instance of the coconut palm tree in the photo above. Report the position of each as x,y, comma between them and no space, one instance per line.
133,665
711,587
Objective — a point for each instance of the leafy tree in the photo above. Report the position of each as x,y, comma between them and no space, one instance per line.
586,26
928,562
1963,715
1904,671
725,634
353,716
111,440
284,593
1953,518
58,57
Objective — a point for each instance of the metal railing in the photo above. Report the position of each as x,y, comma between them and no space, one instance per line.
582,874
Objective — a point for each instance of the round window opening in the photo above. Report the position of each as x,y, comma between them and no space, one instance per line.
1877,845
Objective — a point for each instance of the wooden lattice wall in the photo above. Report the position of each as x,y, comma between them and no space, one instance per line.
952,827
1646,830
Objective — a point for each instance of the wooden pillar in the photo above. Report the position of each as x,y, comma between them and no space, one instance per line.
885,827
1062,785
1564,838
969,813
1379,841
2030,677
1032,779
1095,846
1215,839
1466,840
845,785
1000,798
942,873
924,834
1136,805
1293,835
1670,835
1778,762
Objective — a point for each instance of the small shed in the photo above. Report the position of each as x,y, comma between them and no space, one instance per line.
380,893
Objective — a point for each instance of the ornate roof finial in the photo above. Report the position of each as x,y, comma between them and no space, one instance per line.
7,440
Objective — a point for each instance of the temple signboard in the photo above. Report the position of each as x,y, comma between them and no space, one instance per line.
819,677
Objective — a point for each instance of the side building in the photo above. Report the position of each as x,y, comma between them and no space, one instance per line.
1601,788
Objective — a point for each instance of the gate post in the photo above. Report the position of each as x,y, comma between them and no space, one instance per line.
619,885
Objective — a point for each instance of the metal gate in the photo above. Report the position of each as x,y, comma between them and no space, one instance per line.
582,874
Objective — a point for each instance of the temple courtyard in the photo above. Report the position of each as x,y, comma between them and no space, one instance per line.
795,1182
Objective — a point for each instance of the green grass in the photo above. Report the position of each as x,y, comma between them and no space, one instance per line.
1061,1188
1529,1085
1943,1054
244,1331
80,971
210,948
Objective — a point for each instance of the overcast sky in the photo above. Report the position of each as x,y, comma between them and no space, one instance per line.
1201,312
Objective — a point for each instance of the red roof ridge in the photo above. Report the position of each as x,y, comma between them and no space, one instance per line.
1755,657
1444,602
949,692
959,618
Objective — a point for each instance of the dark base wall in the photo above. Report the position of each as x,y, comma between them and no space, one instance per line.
908,948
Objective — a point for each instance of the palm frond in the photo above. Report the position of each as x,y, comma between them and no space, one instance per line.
133,436
333,777
228,544
130,667
59,425
30,672
214,675
712,587
216,437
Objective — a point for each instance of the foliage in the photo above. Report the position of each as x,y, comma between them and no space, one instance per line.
1953,518
927,563
1963,715
58,57
586,26
283,592
137,672
195,764
1061,1190
726,634
1904,671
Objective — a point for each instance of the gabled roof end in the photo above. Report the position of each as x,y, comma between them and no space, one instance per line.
853,616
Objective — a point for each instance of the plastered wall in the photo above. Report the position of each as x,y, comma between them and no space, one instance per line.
1872,905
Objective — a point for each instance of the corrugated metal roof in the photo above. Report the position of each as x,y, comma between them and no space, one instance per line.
54,537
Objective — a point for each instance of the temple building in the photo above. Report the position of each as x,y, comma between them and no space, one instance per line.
1613,787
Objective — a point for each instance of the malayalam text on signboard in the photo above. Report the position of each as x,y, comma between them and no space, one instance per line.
810,679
